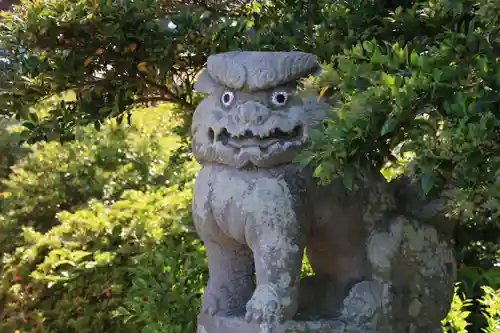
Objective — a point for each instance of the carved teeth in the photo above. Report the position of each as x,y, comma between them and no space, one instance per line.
222,135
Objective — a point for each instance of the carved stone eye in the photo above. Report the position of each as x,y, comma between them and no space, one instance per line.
227,98
279,98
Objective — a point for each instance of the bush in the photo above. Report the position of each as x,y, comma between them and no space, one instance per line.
11,148
103,237
99,164
457,319
168,281
104,265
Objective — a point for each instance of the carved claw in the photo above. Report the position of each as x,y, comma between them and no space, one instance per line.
210,304
265,306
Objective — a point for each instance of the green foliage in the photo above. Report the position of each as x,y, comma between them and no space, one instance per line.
167,284
474,278
88,273
97,234
320,27
115,54
457,319
491,306
419,94
473,281
112,53
100,164
11,149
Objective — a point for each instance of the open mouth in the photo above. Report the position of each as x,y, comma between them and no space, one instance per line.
250,139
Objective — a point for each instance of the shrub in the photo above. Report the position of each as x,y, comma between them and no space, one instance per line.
168,281
103,265
99,164
458,321
491,309
11,148
98,234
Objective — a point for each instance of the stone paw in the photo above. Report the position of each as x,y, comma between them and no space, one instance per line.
266,306
210,304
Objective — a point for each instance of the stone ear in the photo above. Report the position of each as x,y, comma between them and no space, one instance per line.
204,83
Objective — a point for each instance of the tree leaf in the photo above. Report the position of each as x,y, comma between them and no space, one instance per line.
388,79
305,158
414,58
427,183
389,126
318,171
348,177
29,125
368,46
322,92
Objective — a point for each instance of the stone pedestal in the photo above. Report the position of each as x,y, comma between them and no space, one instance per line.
216,324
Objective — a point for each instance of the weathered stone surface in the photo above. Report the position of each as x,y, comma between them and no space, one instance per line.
378,267
219,324
259,71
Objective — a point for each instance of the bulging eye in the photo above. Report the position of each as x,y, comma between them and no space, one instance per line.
227,98
279,98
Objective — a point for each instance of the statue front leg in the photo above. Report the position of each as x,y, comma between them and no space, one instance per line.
230,263
277,249
230,283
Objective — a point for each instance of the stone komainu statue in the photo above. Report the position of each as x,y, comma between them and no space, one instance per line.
256,211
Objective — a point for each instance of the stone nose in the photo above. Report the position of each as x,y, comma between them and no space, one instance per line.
251,113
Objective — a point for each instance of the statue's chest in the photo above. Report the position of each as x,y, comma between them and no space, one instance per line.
255,194
240,200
